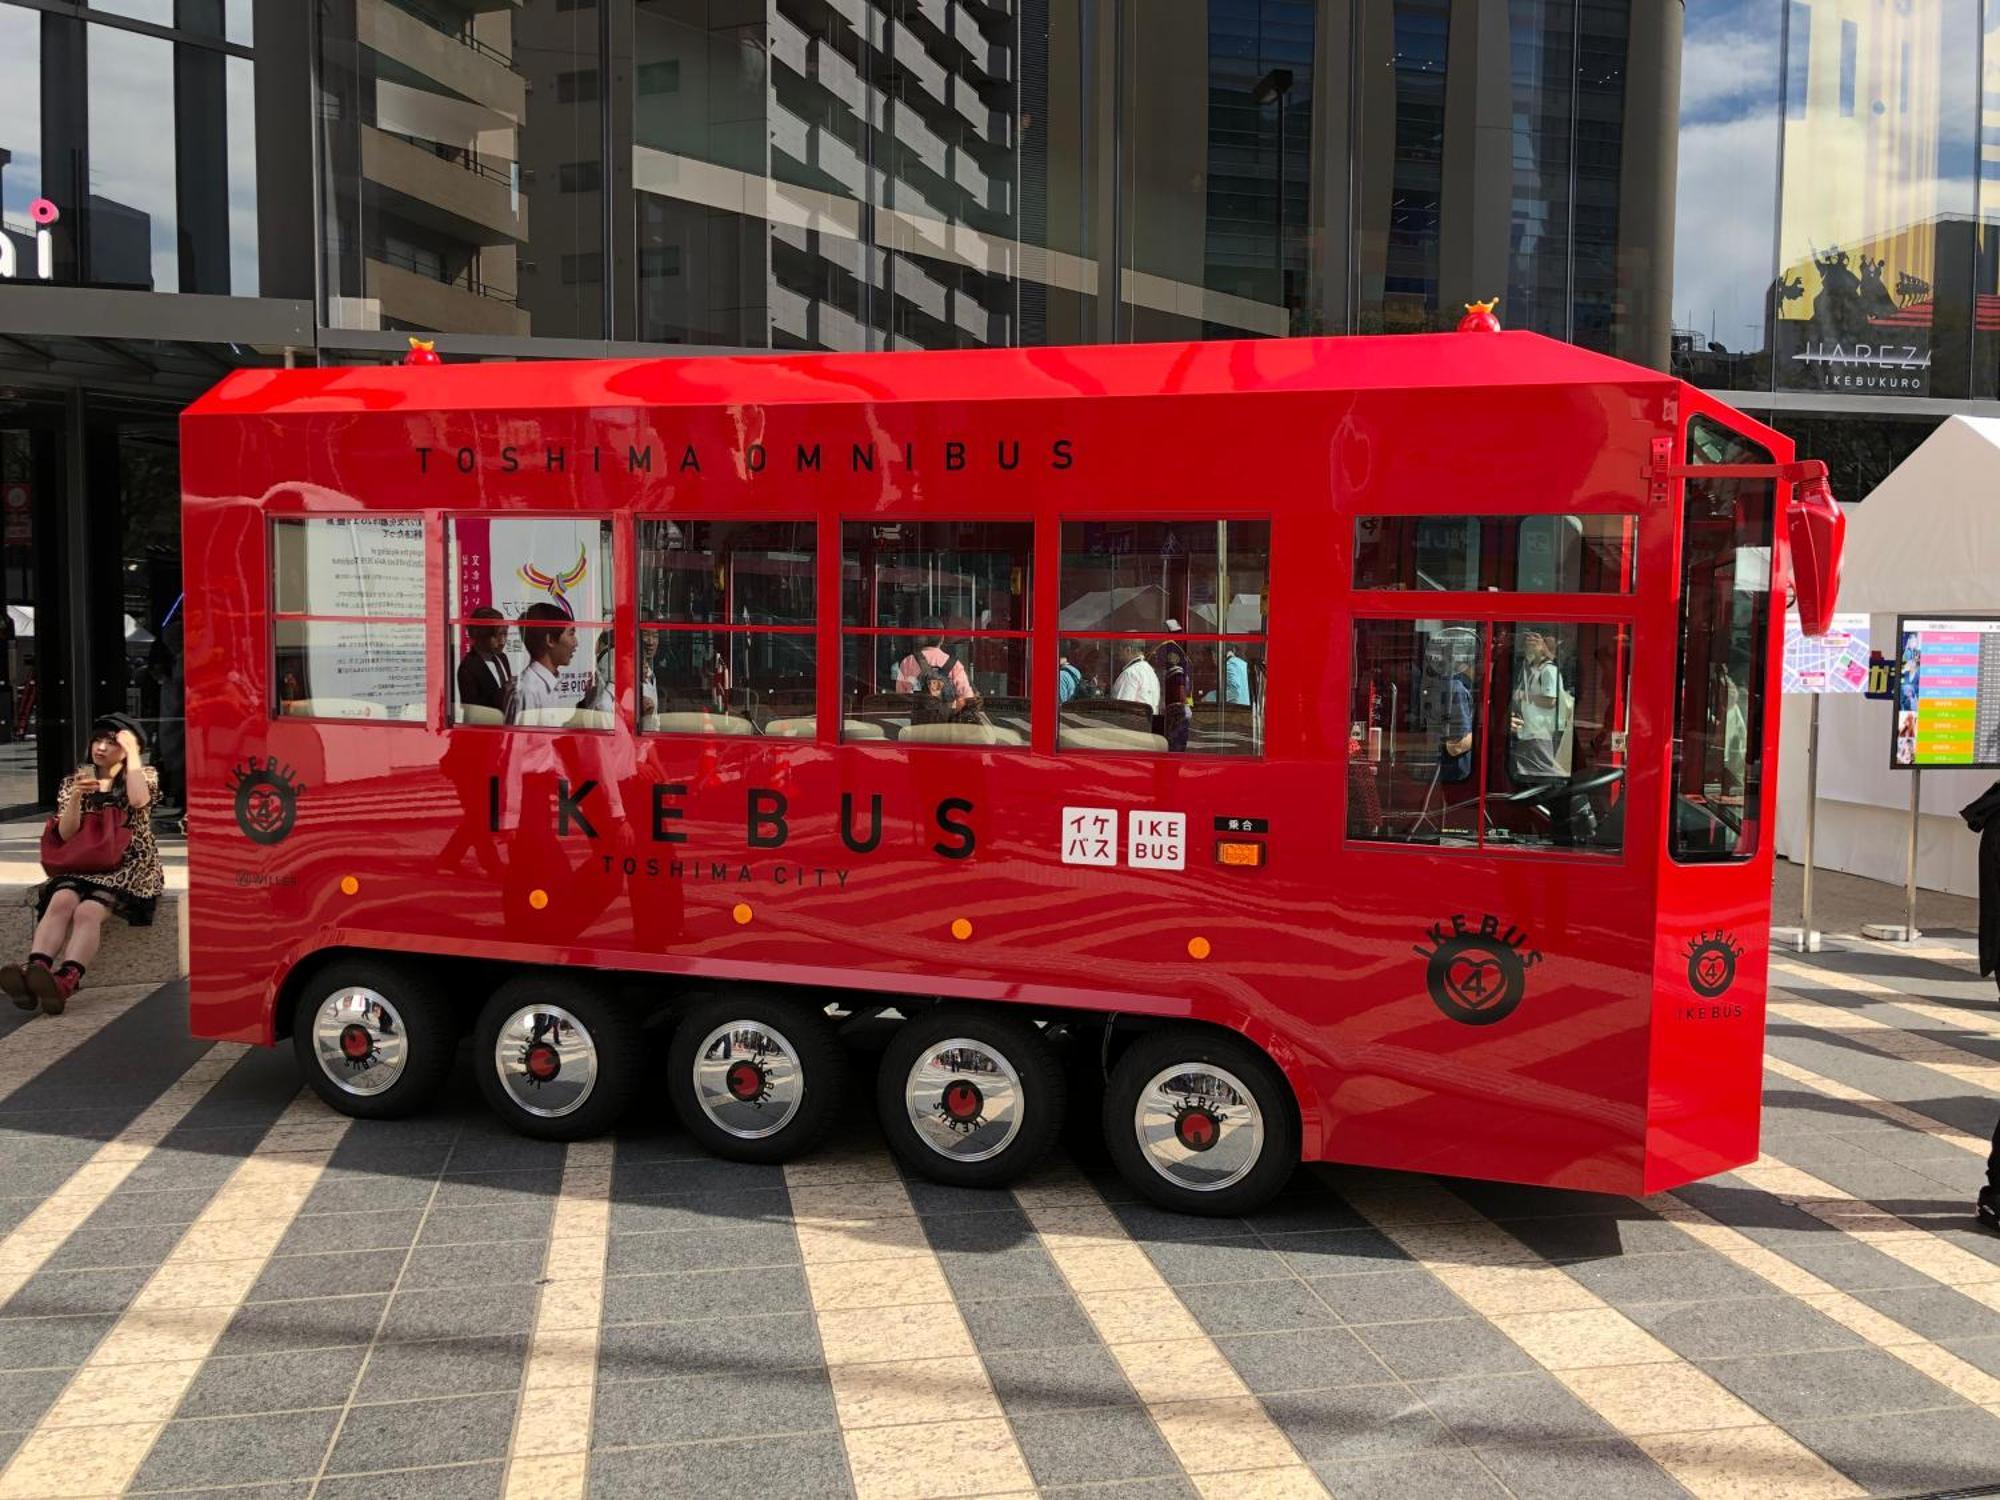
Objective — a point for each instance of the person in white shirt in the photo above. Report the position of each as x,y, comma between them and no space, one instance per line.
1137,681
550,639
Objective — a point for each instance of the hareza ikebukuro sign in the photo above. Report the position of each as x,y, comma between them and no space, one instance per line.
45,214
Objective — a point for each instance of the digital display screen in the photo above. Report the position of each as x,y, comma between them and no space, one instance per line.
1947,693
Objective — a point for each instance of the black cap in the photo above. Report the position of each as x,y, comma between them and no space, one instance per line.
117,723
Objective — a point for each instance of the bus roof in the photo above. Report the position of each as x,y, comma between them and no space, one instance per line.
1263,366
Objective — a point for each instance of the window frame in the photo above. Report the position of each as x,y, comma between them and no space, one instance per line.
1486,609
272,708
843,633
1187,638
1760,685
453,624
725,628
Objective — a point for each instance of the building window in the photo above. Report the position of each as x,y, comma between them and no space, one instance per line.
659,260
577,86
1515,554
1850,47
727,613
583,269
660,77
934,631
1798,59
530,614
1503,735
580,177
1163,626
347,598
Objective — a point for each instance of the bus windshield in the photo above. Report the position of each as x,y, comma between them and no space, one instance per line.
1725,600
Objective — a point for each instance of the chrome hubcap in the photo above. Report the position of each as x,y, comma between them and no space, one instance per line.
747,1079
359,1041
1198,1126
964,1100
546,1060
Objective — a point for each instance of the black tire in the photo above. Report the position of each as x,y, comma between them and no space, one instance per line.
556,1059
1015,1119
756,1105
388,1040
1237,1187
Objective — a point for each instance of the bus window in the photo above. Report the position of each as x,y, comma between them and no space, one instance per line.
934,631
347,596
1562,554
1163,636
1495,736
530,605
726,612
1725,603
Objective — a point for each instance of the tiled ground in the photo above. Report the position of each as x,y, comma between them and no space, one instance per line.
209,1284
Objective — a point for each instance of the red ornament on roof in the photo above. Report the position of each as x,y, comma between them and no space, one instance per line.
422,352
1479,317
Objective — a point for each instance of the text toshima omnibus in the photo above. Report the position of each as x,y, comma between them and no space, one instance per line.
1345,749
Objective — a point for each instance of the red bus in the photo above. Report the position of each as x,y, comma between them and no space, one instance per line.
1334,749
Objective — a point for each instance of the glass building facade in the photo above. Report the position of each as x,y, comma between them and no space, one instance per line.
1837,264
237,182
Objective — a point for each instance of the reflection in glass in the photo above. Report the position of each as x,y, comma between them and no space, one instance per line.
1725,221
1165,575
727,572
449,134
1879,193
912,575
1516,554
729,682
20,127
133,217
1416,731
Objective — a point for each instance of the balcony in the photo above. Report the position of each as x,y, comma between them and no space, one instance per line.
462,199
412,49
424,302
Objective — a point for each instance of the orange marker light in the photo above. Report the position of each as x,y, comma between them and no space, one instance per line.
741,913
961,929
1248,856
1198,947
538,899
349,885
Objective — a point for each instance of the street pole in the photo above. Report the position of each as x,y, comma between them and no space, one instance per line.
1808,936
1906,930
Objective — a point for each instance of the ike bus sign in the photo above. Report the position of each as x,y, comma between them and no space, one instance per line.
44,213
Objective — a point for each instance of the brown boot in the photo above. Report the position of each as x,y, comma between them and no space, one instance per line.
14,980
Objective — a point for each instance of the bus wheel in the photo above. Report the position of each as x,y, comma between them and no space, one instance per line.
374,1039
970,1097
555,1059
755,1077
1201,1122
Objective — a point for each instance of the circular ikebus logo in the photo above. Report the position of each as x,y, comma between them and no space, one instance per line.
1712,964
267,800
1476,979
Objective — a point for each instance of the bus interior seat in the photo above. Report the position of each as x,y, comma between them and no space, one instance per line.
683,721
959,734
1112,713
1108,737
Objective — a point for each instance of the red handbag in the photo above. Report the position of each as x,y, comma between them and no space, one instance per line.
96,848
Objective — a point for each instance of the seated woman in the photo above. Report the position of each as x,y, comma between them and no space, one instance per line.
71,908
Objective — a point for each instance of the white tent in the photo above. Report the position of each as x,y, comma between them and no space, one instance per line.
1927,540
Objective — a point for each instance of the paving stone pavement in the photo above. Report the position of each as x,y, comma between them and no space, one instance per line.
209,1284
